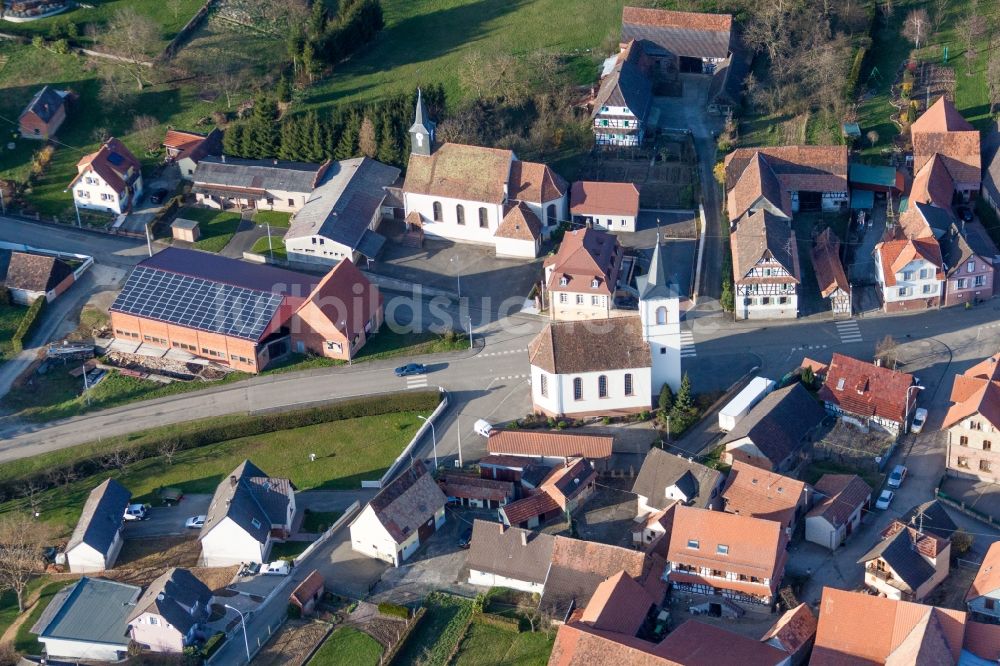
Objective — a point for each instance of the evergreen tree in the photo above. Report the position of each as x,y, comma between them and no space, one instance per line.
245,147
284,90
290,139
263,130
388,145
232,140
808,376
684,400
317,21
347,147
666,401
309,63
367,142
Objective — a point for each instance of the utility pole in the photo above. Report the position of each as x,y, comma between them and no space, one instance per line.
458,428
149,240
270,250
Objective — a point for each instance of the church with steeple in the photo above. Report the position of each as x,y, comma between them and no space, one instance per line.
614,364
473,194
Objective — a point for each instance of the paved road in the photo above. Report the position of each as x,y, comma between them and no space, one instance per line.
106,249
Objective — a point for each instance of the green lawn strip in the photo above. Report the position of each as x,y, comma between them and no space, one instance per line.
26,642
889,50
818,468
275,218
216,227
288,550
486,645
442,627
10,317
277,247
347,646
319,521
347,452
451,29
8,602
388,343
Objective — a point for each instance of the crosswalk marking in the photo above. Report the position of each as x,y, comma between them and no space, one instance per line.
688,349
504,353
848,331
417,381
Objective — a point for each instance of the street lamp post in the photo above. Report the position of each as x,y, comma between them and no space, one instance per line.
246,643
433,438
471,345
458,277
906,417
3,206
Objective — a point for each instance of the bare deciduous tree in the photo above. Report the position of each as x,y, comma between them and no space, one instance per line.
993,75
168,449
887,351
147,132
118,458
61,476
872,137
32,491
916,26
22,545
887,7
175,7
130,36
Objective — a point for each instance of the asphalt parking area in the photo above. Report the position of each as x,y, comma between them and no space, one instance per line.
169,520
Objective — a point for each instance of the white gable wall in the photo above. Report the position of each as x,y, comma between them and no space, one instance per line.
227,543
560,399
57,647
486,579
370,538
449,227
313,249
94,193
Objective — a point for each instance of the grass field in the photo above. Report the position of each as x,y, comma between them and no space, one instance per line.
275,218
10,318
319,521
260,246
27,68
347,452
217,227
347,646
442,627
169,16
399,61
486,645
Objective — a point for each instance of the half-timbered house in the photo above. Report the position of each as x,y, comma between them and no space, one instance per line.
765,267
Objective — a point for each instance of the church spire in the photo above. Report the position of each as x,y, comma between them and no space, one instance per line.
422,130
657,285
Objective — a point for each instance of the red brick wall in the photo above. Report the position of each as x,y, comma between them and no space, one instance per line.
30,122
227,346
914,305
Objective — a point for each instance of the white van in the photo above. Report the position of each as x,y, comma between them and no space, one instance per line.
483,427
136,512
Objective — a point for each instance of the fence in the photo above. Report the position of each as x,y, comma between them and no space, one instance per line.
428,424
171,49
348,515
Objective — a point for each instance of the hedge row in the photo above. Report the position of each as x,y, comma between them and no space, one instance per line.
212,433
394,610
28,324
855,73
157,224
500,621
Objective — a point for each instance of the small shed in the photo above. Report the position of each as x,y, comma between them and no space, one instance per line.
875,178
851,130
308,593
185,230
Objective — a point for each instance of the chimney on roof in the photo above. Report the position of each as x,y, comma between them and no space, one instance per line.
524,538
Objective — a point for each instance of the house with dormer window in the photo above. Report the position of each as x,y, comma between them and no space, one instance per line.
973,423
868,395
108,180
725,555
582,278
172,613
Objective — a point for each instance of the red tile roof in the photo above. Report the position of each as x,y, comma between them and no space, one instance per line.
344,301
549,444
598,198
568,481
751,491
867,390
794,630
988,578
976,391
308,588
519,223
665,18
942,131
535,182
826,262
755,547
896,254
586,255
797,168
856,628
983,640
618,604
112,162
844,494
757,181
474,487
530,507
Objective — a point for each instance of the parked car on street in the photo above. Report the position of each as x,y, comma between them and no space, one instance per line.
965,213
136,512
278,568
465,539
896,476
483,427
919,419
410,369
884,500
195,522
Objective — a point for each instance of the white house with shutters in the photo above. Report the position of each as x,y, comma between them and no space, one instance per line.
108,180
472,194
910,273
622,103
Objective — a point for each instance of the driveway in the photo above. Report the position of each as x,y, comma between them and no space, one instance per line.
439,564
144,211
168,520
689,112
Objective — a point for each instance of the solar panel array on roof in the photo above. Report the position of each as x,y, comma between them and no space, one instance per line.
197,303
115,159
